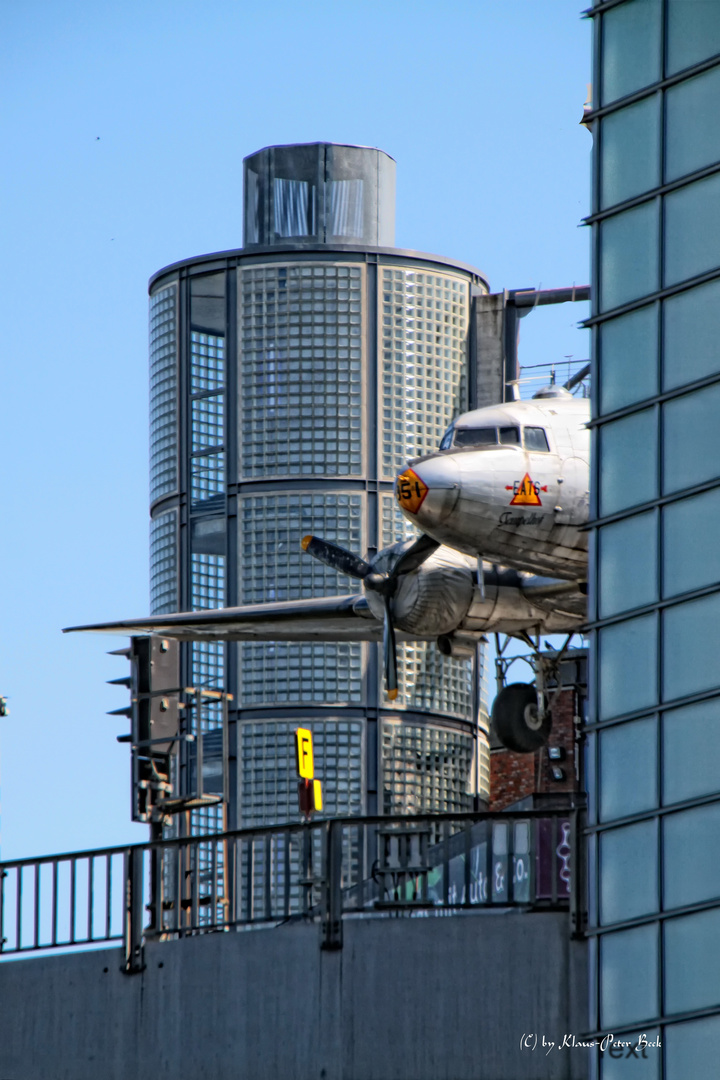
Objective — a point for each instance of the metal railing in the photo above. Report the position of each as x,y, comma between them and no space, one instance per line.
322,870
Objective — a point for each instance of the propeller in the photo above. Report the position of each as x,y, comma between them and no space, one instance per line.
385,584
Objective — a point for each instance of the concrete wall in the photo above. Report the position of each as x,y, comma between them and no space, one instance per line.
446,998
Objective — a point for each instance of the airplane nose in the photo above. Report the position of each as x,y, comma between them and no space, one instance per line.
428,492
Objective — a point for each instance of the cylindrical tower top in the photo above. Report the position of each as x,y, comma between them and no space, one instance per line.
319,193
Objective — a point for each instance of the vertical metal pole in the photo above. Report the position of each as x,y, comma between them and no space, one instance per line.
73,890
267,872
133,911
91,869
286,875
332,887
36,912
446,862
108,895
468,861
55,902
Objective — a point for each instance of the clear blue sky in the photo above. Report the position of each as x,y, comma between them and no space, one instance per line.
124,127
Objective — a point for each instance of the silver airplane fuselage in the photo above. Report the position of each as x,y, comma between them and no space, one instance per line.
510,484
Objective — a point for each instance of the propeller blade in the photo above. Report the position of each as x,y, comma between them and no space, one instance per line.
389,652
336,558
415,555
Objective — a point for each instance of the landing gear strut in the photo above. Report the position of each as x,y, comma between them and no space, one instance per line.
521,712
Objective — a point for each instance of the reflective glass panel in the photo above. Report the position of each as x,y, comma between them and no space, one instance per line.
691,142
628,769
629,255
633,1056
692,972
628,358
691,443
693,32
691,553
630,151
628,976
691,751
691,647
692,230
628,666
626,580
628,872
691,332
628,462
630,48
691,868
691,1049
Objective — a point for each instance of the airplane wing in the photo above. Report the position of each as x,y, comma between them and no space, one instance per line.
335,618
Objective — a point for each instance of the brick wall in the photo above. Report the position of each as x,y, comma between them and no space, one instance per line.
515,776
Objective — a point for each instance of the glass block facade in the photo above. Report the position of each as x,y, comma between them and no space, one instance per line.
426,768
301,365
424,345
163,392
654,734
285,375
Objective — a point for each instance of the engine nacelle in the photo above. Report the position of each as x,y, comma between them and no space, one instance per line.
429,601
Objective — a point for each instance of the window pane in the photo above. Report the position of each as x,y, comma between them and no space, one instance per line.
641,1060
628,666
631,48
535,439
628,976
630,152
628,769
692,230
691,553
628,872
629,255
691,751
691,142
692,1049
692,972
628,358
628,462
691,647
627,582
691,331
691,446
691,869
693,32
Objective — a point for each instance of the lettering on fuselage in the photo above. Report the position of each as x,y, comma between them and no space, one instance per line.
526,492
508,518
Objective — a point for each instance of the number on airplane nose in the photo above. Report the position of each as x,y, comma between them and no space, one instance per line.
410,491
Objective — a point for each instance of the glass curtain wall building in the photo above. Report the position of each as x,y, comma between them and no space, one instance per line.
291,380
654,739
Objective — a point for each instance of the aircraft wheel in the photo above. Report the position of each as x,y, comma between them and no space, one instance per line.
515,718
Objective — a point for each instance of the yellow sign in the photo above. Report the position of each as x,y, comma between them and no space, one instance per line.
526,492
304,753
317,795
410,491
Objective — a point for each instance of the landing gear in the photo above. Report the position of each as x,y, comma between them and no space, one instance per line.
519,724
522,712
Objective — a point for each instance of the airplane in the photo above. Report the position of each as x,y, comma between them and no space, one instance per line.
501,507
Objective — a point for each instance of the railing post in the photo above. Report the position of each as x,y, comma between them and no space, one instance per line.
133,929
578,880
332,888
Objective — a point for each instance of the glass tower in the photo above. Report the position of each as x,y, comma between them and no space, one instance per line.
291,380
654,737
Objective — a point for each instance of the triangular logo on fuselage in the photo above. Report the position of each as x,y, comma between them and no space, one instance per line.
526,492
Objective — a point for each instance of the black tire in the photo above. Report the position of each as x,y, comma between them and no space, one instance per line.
515,719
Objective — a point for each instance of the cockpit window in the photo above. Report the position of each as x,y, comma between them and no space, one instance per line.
446,441
484,436
535,439
510,436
